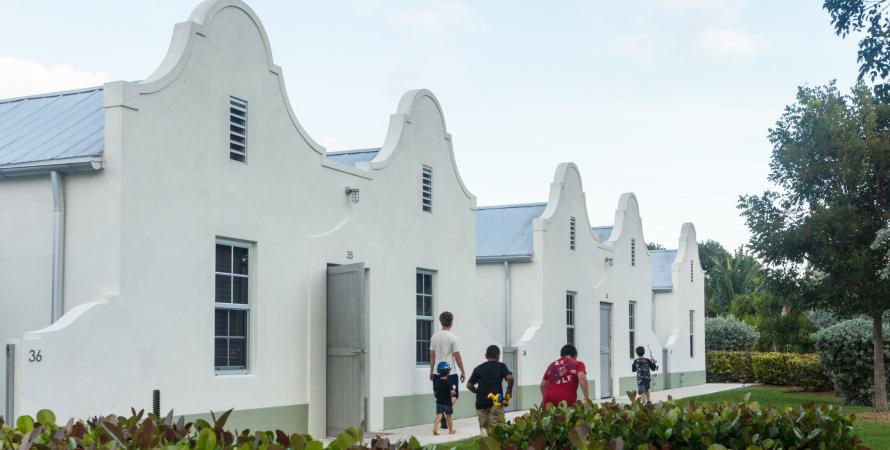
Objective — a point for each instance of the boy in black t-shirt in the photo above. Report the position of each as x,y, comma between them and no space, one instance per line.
643,367
486,381
445,398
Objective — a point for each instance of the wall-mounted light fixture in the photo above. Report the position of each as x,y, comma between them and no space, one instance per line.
610,261
352,193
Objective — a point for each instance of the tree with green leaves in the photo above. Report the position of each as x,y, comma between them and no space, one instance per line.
870,20
655,246
709,252
831,167
728,276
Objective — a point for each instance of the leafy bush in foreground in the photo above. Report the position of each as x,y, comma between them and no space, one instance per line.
149,432
847,355
744,425
729,333
780,369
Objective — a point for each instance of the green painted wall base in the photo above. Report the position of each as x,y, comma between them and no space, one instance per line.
410,410
677,380
290,419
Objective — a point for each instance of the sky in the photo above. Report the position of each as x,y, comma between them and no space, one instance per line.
669,99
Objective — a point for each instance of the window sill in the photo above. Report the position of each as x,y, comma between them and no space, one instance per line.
232,373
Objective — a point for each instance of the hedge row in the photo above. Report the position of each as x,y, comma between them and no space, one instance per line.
780,369
670,425
149,432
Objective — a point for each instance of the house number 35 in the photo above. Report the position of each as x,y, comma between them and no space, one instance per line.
34,356
349,255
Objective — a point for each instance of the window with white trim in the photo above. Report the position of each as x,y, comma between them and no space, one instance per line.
633,252
691,333
237,129
427,185
424,319
232,306
570,318
572,233
631,327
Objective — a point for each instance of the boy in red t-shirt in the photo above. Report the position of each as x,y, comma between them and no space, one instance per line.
562,378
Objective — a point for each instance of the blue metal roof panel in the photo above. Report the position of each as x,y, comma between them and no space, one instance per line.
49,127
661,261
602,233
353,157
506,231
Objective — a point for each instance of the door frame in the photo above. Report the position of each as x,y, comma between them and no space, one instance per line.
611,323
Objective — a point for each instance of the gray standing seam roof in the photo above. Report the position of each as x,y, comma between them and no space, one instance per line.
602,233
504,233
353,157
661,261
59,129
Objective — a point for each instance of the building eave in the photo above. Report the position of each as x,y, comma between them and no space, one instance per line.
504,258
67,165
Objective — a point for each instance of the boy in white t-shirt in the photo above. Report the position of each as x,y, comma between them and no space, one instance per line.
444,347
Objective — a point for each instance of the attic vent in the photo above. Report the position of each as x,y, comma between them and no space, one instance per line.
237,129
572,232
633,252
691,271
427,189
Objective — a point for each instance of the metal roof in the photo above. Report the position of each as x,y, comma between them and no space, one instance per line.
353,157
59,131
504,233
661,261
602,233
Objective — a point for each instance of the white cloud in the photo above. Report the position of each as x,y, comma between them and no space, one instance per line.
437,17
726,43
636,47
19,77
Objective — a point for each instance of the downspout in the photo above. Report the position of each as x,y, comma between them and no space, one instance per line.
507,302
58,245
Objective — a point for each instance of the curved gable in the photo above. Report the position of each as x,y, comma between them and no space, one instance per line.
566,183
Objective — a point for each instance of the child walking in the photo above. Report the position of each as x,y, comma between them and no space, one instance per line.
445,398
643,367
485,382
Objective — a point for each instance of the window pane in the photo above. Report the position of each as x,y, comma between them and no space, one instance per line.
240,260
419,283
223,258
427,284
221,323
237,354
238,323
428,306
220,352
570,336
224,288
419,305
240,290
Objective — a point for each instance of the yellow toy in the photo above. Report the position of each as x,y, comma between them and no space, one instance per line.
499,400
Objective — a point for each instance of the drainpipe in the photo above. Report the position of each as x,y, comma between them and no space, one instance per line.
58,245
507,305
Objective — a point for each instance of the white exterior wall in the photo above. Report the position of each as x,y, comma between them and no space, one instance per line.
148,321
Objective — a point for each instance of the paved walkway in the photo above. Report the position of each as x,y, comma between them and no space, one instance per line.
469,427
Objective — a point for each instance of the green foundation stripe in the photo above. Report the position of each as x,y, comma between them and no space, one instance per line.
291,418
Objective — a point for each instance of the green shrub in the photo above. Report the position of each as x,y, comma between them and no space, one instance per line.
847,355
729,333
740,425
150,432
780,369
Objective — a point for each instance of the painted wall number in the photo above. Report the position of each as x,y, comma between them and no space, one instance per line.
34,356
349,255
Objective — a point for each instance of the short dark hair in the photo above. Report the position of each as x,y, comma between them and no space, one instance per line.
568,350
446,318
492,352
640,351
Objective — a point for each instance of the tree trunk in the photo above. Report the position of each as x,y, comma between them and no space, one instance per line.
880,378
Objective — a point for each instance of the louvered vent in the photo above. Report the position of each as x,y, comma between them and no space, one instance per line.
427,189
237,129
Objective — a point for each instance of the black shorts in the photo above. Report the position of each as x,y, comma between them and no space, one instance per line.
444,409
643,386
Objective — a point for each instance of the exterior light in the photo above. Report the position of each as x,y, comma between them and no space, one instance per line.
353,195
610,261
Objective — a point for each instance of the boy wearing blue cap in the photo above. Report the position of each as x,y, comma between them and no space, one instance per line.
445,398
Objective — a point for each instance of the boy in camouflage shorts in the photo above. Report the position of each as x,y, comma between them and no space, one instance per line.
643,367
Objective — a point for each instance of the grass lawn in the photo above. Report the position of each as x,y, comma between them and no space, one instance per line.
874,434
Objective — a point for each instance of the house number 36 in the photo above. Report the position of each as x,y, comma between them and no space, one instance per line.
34,356
349,255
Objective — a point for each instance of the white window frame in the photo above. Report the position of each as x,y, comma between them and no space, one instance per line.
237,104
232,306
572,233
632,327
426,189
570,316
425,348
692,333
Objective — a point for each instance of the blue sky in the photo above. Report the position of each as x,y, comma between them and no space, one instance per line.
670,99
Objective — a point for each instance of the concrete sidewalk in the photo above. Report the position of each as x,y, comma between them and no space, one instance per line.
469,427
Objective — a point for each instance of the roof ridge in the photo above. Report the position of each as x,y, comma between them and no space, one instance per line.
601,227
52,94
515,205
352,152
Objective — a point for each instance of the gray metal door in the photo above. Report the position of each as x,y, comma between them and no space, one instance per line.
509,358
346,348
605,350
9,417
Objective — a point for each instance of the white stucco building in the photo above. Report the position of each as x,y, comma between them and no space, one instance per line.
185,234
547,277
